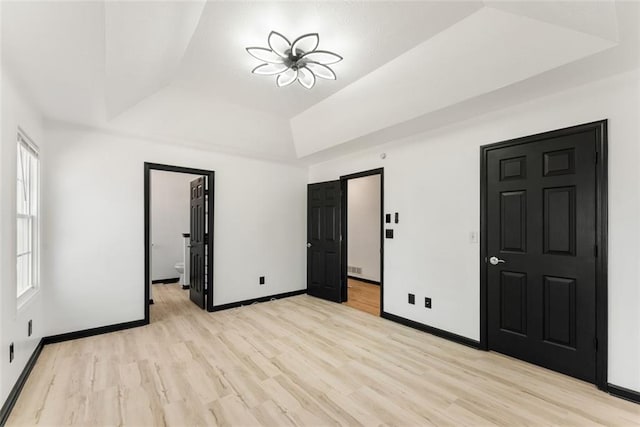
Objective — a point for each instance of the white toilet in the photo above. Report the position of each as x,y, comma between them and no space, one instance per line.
182,267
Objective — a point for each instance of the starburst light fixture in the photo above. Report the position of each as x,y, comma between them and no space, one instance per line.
299,60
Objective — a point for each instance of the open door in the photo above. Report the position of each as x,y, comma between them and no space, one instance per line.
324,217
198,242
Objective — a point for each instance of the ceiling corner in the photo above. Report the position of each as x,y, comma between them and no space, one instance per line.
144,46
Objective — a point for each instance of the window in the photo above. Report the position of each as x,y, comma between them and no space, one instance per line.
27,216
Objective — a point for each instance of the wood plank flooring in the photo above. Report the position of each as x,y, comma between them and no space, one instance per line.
363,296
295,361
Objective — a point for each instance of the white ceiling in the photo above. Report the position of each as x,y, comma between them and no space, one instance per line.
366,34
144,45
177,72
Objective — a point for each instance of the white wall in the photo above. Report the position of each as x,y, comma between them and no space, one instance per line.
169,220
363,226
16,112
432,181
94,196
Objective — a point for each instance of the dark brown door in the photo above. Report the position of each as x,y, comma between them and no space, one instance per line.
541,236
323,240
198,242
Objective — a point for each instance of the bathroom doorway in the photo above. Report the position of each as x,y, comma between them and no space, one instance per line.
362,237
178,206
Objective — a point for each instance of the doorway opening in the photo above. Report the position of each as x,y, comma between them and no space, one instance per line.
178,223
543,282
362,241
328,237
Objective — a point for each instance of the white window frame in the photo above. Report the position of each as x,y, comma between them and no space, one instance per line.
25,294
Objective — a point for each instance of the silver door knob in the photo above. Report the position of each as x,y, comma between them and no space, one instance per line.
308,245
495,260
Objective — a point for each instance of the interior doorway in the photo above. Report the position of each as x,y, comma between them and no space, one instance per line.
169,227
178,206
328,241
362,237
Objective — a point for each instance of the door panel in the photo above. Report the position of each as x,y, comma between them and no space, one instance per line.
323,240
560,162
513,221
513,168
560,311
541,221
198,242
559,220
513,302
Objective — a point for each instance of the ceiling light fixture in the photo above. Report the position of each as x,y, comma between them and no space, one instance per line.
299,60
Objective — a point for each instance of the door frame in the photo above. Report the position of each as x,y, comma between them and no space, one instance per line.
344,231
600,159
148,167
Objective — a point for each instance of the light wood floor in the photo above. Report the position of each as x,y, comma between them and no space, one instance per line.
295,361
363,296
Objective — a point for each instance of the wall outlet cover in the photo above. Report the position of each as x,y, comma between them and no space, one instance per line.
427,302
412,299
261,280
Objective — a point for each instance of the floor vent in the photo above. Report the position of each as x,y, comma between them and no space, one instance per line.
356,270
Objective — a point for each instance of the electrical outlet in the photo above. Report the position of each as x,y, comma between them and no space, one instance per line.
387,218
10,352
30,328
389,234
427,302
262,280
412,299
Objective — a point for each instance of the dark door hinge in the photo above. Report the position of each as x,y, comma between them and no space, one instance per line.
595,343
595,251
595,157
